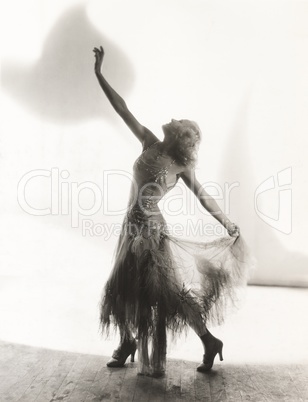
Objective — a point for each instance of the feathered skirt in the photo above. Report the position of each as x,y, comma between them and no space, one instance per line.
163,283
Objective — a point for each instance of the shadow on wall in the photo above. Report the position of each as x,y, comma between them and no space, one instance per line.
61,85
275,264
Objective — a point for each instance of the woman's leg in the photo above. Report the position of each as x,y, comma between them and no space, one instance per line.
195,319
126,334
159,344
126,347
211,345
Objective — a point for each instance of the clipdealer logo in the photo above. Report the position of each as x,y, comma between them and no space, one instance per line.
65,197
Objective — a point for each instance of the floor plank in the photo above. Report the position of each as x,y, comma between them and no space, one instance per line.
81,391
158,389
232,383
143,389
51,387
129,383
71,380
32,374
173,380
111,391
96,390
202,387
188,372
40,381
19,384
16,362
217,386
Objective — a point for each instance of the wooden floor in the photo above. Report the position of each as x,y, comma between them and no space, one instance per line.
30,374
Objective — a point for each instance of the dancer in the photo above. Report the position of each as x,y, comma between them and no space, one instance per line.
160,282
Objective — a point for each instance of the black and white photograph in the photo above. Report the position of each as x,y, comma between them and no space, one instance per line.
153,201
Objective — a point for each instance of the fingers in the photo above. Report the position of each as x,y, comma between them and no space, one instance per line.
234,231
100,50
234,234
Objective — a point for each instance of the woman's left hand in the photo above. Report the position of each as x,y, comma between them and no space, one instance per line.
233,229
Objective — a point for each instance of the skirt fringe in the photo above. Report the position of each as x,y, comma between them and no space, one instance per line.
162,283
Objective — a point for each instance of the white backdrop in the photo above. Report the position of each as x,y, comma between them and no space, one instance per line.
238,68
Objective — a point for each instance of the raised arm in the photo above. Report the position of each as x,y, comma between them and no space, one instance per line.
144,135
208,202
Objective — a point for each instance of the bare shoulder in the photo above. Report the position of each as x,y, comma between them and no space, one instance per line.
149,139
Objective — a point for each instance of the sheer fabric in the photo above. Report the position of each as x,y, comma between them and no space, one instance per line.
160,282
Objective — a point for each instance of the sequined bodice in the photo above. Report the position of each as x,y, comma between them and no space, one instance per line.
151,171
150,178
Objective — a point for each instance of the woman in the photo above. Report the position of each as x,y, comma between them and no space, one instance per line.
160,282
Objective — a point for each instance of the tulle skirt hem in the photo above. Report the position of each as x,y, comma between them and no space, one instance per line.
162,283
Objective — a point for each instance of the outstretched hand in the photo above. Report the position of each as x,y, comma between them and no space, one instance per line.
99,55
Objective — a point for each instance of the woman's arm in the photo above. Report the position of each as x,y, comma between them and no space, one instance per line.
208,202
142,133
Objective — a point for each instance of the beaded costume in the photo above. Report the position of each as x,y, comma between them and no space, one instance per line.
160,282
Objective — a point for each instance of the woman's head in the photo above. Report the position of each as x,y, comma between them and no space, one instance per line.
183,139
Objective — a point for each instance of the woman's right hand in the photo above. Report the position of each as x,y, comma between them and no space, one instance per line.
99,55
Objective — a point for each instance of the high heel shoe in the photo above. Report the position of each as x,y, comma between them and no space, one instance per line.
212,347
120,355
